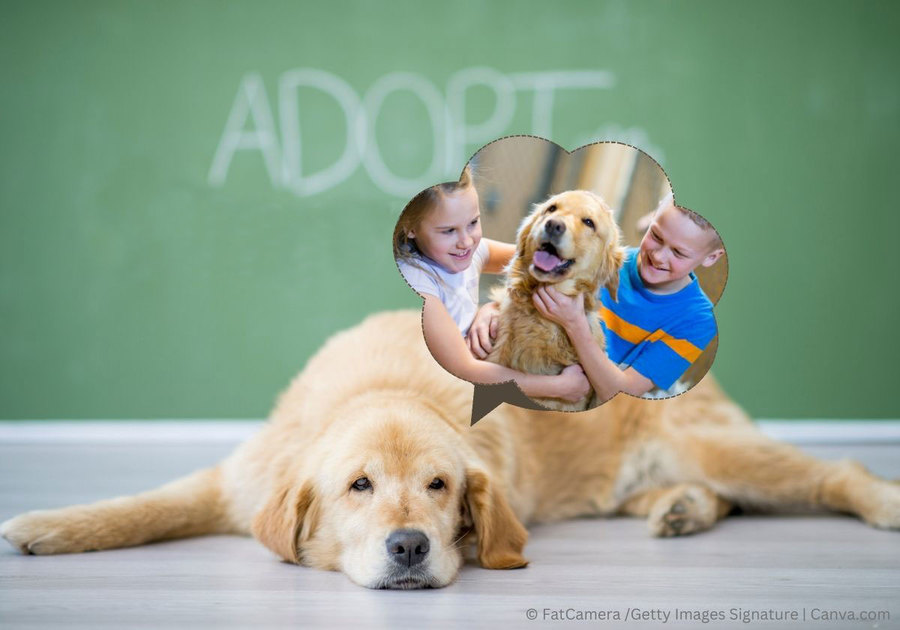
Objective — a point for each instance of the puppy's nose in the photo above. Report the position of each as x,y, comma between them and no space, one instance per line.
407,547
554,228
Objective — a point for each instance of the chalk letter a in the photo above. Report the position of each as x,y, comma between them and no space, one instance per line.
250,102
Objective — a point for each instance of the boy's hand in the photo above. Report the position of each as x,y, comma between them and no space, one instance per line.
483,329
574,385
566,311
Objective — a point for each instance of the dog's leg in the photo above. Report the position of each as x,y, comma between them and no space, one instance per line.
187,507
678,510
849,487
754,471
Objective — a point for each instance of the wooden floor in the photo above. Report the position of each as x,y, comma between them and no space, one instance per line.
751,565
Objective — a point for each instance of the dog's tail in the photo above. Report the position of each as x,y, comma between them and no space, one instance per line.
189,506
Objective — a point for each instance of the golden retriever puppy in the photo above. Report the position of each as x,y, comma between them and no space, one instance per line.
570,241
368,466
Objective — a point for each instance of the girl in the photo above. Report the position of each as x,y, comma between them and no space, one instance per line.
439,250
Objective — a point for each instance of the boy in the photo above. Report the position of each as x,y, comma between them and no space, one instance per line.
660,322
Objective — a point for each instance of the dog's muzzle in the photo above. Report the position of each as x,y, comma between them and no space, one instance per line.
548,261
407,547
554,229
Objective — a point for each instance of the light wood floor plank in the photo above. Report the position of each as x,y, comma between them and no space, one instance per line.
752,563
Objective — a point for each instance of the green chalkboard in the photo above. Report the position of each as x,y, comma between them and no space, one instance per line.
194,195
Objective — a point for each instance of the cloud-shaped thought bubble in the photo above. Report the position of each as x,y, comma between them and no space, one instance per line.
602,284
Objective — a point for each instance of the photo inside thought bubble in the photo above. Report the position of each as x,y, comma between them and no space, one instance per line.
572,274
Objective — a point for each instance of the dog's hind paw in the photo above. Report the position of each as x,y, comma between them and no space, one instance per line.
884,512
685,509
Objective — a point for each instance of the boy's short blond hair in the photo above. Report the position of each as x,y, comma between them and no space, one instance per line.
702,223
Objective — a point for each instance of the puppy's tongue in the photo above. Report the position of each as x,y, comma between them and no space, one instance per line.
545,261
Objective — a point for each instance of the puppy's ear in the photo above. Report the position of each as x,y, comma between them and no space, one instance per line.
611,266
519,282
525,229
501,537
287,518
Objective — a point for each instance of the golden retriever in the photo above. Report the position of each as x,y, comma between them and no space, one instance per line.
571,241
368,466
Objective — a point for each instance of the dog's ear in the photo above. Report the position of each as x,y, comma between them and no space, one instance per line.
519,282
525,229
614,253
286,520
501,537
610,270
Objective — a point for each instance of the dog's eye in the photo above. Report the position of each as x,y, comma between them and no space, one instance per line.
437,484
588,222
551,208
361,484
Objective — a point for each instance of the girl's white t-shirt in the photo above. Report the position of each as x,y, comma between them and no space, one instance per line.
458,291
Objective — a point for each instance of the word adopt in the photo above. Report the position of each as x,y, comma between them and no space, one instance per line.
251,123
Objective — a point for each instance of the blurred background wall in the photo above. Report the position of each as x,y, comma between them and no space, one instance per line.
194,195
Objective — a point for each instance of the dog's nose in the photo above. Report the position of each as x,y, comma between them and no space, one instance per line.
407,547
554,228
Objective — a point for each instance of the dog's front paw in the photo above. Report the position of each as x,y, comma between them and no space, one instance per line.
40,532
683,510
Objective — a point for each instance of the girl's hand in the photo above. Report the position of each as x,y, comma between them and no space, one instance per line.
573,384
566,311
483,330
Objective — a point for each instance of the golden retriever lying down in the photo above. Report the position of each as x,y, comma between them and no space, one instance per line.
571,241
367,466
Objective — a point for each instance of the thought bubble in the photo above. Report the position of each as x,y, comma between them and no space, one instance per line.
596,266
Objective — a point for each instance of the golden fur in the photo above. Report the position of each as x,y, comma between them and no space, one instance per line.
528,342
373,403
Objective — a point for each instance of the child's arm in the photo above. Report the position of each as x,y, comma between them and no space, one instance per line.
499,255
605,376
449,348
484,330
484,327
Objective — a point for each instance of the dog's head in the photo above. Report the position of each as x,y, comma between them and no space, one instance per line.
391,500
571,241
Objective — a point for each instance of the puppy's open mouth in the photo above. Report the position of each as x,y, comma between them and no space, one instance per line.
548,260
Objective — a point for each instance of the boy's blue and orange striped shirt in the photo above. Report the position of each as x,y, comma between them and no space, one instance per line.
660,336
